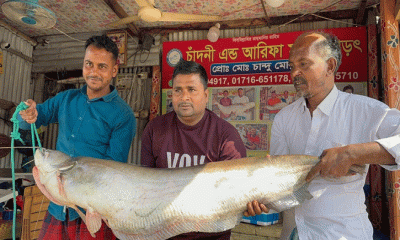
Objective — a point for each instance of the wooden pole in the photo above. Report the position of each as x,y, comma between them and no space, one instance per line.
390,76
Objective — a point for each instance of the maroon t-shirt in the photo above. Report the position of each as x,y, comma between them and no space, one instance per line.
168,143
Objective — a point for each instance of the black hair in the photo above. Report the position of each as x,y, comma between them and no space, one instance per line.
103,42
348,87
189,67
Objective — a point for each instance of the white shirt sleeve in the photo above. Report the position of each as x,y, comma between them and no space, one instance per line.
389,134
392,145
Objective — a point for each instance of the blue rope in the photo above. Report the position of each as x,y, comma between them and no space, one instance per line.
15,135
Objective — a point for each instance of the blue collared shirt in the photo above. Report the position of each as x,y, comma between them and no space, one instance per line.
101,128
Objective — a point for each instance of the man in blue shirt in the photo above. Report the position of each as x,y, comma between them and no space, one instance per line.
94,121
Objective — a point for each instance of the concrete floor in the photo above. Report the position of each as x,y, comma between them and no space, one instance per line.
246,231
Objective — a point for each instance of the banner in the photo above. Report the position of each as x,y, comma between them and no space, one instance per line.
249,77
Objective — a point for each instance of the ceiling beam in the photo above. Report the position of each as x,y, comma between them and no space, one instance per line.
133,30
265,12
361,12
257,22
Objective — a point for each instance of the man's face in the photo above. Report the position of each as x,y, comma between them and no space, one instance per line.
349,90
273,94
253,131
189,98
286,94
99,68
309,70
225,93
240,92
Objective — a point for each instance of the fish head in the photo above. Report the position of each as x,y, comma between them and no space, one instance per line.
48,160
46,172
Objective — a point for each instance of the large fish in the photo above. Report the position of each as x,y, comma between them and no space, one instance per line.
237,109
147,203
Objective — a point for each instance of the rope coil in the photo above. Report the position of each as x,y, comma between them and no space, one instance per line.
15,135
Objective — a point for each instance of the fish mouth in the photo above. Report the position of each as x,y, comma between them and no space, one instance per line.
39,154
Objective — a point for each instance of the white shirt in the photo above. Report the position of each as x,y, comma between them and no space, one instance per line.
242,99
337,209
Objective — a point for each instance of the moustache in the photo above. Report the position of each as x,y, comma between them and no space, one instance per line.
185,104
94,78
299,80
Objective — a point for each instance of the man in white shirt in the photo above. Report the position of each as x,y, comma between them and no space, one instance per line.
241,99
344,129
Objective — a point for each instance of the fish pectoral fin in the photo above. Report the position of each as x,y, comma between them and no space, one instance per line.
292,200
93,221
106,221
80,213
60,185
43,189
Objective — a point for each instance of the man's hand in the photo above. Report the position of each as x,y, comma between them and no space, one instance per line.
334,162
255,208
30,114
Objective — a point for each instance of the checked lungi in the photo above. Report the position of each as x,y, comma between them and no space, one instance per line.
53,229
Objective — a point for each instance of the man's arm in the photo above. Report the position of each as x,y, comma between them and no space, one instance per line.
42,114
336,162
385,150
232,146
121,138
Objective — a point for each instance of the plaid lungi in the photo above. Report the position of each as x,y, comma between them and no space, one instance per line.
203,236
53,229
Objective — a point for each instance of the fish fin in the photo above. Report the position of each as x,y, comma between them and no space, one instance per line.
294,199
80,213
93,221
43,189
106,221
60,185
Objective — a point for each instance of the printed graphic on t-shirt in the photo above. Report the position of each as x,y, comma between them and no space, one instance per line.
184,160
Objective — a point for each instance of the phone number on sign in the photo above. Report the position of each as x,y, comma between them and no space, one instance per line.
249,80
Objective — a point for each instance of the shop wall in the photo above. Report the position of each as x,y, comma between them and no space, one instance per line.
15,79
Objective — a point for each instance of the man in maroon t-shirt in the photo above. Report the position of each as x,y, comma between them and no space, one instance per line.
191,134
225,101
